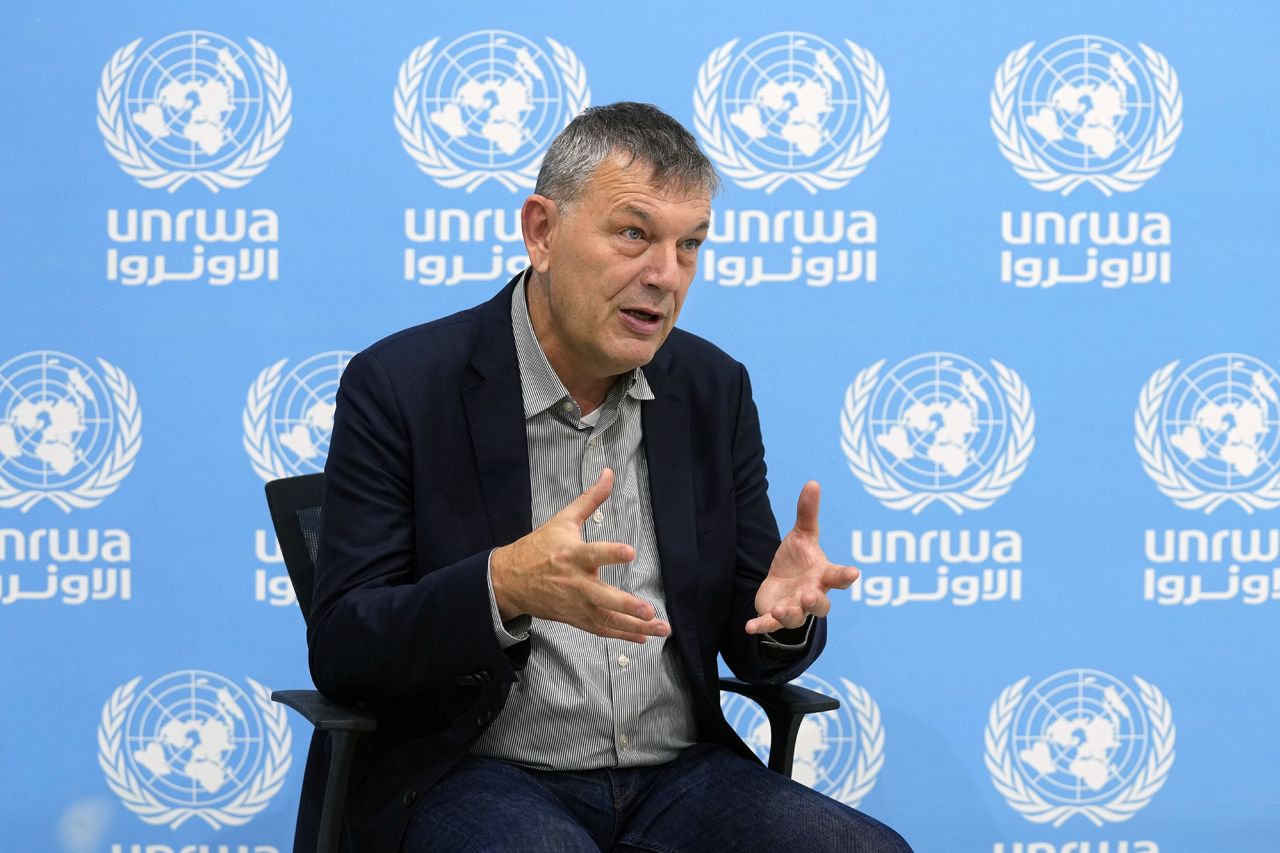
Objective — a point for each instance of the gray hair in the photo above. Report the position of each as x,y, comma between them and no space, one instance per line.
641,131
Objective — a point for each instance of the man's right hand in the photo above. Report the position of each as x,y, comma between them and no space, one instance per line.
553,574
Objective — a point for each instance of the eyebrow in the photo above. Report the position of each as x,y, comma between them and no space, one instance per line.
638,213
643,216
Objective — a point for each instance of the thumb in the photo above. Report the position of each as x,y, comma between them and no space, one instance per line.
807,508
580,509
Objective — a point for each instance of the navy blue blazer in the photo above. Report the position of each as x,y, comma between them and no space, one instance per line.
428,471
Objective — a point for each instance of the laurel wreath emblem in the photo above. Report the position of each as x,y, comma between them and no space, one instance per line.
1028,802
836,174
1163,469
1130,175
110,472
267,464
870,758
998,479
417,141
255,156
140,800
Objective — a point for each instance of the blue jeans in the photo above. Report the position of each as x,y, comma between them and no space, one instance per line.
708,799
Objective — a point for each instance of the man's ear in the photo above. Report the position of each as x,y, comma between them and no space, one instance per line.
538,220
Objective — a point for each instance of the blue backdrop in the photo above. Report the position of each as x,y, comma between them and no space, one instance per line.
1002,275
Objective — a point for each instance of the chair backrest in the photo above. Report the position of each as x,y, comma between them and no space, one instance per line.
295,514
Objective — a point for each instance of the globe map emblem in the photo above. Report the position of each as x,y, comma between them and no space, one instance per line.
56,420
791,101
1086,103
1219,421
493,100
937,421
826,744
193,100
194,739
1080,736
302,410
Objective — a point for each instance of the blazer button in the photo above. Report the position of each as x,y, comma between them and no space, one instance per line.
465,680
484,719
409,797
482,676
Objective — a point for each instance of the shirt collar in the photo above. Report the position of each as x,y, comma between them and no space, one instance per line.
539,384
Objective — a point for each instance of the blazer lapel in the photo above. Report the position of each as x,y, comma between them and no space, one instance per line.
668,451
495,415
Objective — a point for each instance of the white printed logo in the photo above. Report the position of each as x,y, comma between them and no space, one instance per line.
486,107
194,744
67,435
1086,110
791,107
1210,436
1079,743
937,428
288,418
194,106
838,753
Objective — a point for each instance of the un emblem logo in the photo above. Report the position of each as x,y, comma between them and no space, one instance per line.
1079,742
1086,110
791,107
838,753
194,744
288,418
67,434
194,106
486,107
1209,435
936,427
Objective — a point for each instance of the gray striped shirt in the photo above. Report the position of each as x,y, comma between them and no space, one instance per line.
583,701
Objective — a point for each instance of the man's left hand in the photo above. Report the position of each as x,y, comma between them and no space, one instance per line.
800,575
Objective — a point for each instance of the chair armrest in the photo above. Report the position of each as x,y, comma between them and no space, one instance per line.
324,714
787,698
785,705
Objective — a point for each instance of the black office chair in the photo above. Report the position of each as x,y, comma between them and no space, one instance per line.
295,514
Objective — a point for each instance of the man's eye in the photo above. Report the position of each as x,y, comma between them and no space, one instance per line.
632,233
692,245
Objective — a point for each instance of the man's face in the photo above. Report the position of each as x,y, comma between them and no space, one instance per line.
618,263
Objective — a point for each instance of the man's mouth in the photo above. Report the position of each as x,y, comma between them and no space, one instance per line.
642,321
642,315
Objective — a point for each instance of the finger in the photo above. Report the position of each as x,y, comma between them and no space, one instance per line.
791,615
807,508
609,600
839,577
592,555
815,603
581,507
781,616
762,625
639,639
611,621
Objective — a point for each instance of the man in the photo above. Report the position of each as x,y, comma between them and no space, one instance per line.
544,517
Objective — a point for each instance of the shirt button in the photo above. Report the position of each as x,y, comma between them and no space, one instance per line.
598,518
593,441
567,406
623,740
623,660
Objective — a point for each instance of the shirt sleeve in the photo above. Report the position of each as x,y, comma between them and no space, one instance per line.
511,632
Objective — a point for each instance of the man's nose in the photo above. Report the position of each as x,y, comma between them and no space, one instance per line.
663,269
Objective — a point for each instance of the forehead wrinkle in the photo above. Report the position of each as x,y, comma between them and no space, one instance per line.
638,212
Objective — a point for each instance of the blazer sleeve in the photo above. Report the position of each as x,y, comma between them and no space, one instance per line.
381,627
749,656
